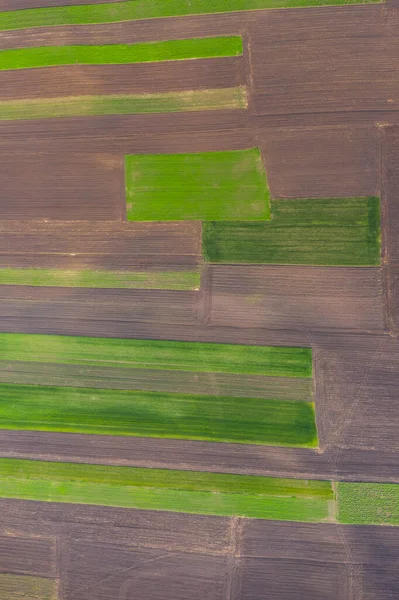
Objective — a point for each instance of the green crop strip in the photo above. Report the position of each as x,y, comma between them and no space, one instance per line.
368,503
157,354
119,54
343,231
143,9
207,185
87,106
23,587
183,280
155,489
157,414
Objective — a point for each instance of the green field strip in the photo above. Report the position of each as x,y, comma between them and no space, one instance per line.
150,280
338,232
158,414
211,186
120,54
87,106
368,503
22,587
158,354
156,489
143,9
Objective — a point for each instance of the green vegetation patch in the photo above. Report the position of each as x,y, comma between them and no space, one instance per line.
157,414
368,503
144,9
157,280
207,185
119,54
21,587
86,106
158,354
343,231
180,491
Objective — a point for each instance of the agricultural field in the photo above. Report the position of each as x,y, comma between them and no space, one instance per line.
199,358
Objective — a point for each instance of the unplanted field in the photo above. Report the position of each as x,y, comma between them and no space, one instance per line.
337,231
368,503
142,9
155,489
157,354
86,106
20,587
222,186
119,54
158,415
157,280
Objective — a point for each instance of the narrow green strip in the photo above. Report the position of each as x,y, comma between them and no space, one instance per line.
119,54
223,186
21,587
143,9
181,280
158,354
158,414
180,491
368,503
343,231
86,106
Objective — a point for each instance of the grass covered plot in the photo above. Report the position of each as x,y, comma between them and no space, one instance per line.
21,587
157,414
87,106
344,231
144,9
183,280
156,489
158,354
208,186
119,54
368,503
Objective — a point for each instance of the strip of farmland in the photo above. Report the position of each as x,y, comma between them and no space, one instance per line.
332,232
368,503
157,354
119,54
142,9
156,280
209,185
158,414
180,491
85,106
20,587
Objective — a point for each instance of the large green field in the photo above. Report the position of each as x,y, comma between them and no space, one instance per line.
368,503
156,280
156,489
119,54
158,354
157,414
206,186
342,231
86,106
144,9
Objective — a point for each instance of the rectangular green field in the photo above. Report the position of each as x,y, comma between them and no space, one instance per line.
158,414
211,186
143,9
158,354
150,280
119,54
368,503
86,106
22,587
337,231
156,489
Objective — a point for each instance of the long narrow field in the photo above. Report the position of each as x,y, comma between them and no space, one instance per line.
118,54
141,9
